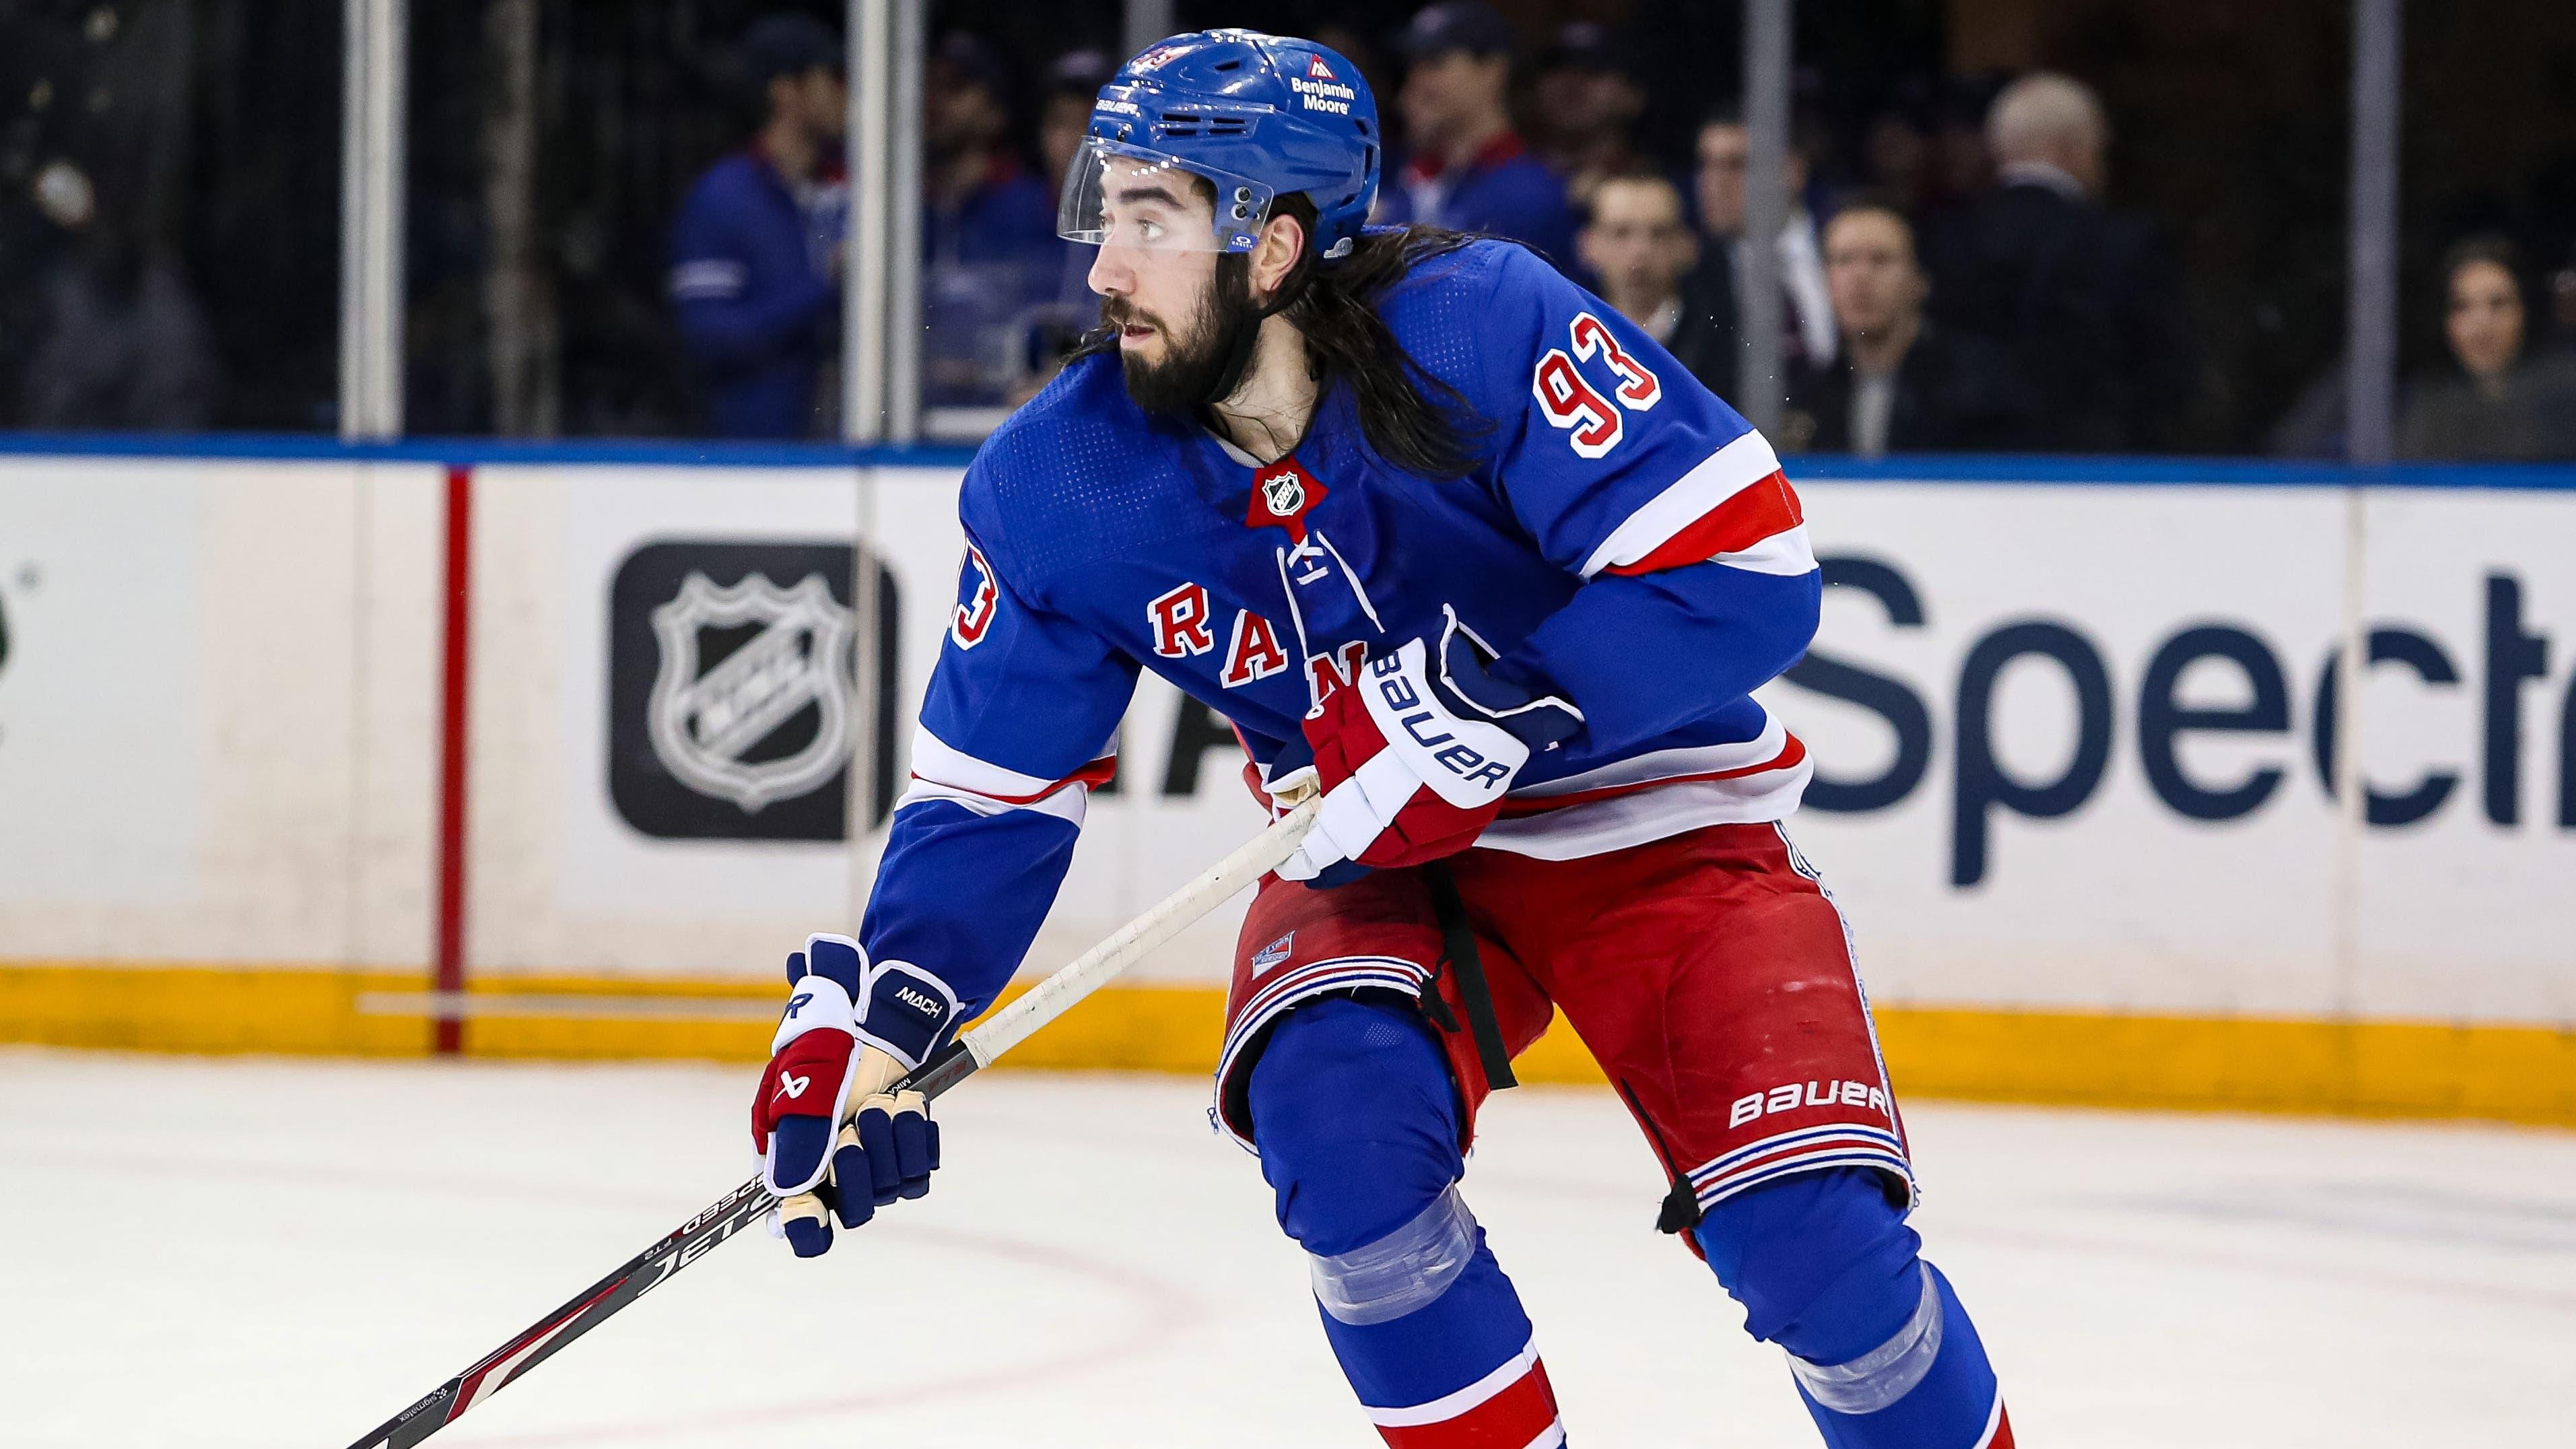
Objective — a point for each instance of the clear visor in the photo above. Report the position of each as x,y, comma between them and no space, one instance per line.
1117,195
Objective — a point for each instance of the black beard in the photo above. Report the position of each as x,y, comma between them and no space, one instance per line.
1194,364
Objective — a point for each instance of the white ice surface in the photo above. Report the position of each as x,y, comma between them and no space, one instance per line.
253,1253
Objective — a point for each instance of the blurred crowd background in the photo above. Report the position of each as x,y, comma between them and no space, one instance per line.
2015,225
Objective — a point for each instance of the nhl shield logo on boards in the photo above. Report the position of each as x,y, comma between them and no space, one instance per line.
704,717
716,720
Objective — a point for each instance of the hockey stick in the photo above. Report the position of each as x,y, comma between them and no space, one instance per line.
954,1063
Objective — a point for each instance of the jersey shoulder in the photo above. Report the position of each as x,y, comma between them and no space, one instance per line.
1444,295
1079,474
1474,317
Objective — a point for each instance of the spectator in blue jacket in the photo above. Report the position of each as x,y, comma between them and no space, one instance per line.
989,246
1469,169
756,249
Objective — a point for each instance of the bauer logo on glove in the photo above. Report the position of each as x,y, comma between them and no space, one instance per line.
1415,763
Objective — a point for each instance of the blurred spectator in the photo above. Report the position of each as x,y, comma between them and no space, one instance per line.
984,206
1962,166
2490,403
1073,83
2080,294
1057,320
2562,309
1588,100
1638,248
1900,160
118,340
2313,427
1901,384
755,252
1469,168
988,228
1725,152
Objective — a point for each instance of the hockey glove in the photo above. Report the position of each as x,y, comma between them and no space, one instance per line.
833,1140
1415,757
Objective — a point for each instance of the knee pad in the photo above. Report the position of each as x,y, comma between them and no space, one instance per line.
1356,1123
1883,1354
1822,1262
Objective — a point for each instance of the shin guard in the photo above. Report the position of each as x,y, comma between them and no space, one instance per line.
1928,1387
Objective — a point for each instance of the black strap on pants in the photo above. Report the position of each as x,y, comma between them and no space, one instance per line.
1458,945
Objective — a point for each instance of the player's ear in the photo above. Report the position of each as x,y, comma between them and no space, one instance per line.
1283,241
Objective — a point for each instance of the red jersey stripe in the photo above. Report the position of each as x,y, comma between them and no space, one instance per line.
1091,776
1765,507
1790,754
1517,1414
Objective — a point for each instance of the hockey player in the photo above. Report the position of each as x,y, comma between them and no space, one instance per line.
1451,542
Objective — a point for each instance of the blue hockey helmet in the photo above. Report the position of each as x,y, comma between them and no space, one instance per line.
1258,117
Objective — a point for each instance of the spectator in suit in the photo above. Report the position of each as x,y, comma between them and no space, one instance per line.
1638,247
1469,168
1724,152
1901,383
2490,402
756,247
2080,294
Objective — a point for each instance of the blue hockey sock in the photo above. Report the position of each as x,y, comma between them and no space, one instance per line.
1884,1355
1357,1125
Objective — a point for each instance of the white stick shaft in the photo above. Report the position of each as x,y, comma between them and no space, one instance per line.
1127,945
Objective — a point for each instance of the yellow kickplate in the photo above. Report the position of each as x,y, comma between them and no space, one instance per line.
2413,1069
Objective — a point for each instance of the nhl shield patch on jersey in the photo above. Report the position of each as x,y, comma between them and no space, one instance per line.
1282,495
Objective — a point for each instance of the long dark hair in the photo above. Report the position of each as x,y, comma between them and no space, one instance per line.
1413,419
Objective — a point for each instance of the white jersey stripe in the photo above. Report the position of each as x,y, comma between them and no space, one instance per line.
941,771
1667,765
1067,804
936,761
1720,476
1786,554
1597,827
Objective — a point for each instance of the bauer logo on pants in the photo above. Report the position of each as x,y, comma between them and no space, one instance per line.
732,690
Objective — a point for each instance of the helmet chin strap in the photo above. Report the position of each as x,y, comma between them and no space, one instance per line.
1239,357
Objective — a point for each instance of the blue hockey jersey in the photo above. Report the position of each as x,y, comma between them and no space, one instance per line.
1625,539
